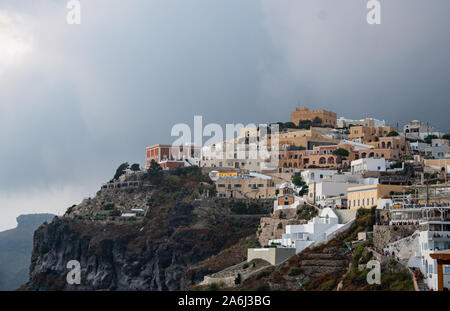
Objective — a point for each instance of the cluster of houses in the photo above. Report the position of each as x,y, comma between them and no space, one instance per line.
344,165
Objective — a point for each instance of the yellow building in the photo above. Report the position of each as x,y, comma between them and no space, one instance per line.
328,118
369,134
243,186
368,196
302,138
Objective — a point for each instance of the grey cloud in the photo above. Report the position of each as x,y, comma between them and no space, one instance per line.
89,97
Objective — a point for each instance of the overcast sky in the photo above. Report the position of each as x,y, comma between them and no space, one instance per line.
78,100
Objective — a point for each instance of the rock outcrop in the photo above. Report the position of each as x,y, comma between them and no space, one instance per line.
179,230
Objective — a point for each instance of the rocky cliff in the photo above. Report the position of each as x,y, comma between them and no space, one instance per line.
180,228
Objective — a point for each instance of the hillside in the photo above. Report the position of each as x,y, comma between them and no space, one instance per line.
15,250
333,265
181,226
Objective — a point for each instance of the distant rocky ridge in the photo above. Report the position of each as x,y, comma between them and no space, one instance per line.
15,250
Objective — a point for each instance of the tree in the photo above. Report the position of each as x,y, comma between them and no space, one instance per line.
304,124
392,134
212,191
429,138
341,152
154,172
289,125
237,280
298,181
446,136
121,170
135,167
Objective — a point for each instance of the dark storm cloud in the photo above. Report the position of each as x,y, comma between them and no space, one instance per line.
84,98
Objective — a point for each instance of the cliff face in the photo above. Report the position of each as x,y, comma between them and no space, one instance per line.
153,253
15,250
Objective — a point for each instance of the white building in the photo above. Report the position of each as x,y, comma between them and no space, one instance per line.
436,237
364,165
439,142
318,193
343,122
418,146
437,152
321,228
384,203
417,130
433,221
316,175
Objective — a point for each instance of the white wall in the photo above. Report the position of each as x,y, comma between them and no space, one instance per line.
368,165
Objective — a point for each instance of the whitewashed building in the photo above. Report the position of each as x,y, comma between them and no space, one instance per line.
364,165
321,228
318,193
433,220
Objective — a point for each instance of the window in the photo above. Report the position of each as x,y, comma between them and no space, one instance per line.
446,269
221,185
237,185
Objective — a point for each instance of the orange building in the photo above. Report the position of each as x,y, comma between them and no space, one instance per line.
328,118
170,157
390,148
318,157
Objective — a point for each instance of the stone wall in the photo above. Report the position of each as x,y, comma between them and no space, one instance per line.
383,235
269,226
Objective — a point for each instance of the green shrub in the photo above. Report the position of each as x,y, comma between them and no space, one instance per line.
238,279
213,287
109,207
245,266
262,274
328,285
294,271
